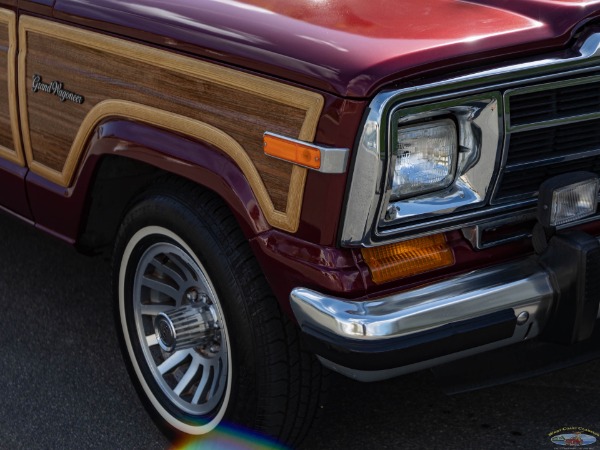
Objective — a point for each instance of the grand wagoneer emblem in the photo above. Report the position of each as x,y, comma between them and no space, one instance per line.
55,88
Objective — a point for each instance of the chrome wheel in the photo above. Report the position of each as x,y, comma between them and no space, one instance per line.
168,281
179,329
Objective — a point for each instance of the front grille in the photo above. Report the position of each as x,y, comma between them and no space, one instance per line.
525,183
552,129
554,142
555,103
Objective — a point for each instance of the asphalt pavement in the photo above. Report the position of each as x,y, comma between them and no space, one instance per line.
63,384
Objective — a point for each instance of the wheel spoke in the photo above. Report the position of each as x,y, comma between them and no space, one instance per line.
162,287
166,270
188,274
153,310
202,384
151,340
218,368
187,378
173,361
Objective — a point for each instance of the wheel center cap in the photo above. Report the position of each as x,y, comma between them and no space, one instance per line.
165,332
185,327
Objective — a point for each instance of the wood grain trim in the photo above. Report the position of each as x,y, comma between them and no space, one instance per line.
14,155
302,99
183,125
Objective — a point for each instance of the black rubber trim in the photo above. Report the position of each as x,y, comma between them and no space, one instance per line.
396,352
516,362
572,259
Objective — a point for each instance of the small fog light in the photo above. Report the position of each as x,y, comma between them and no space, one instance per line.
567,198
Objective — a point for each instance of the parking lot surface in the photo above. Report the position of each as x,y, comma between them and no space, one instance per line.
64,385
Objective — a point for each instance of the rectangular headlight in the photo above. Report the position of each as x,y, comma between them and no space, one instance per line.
426,157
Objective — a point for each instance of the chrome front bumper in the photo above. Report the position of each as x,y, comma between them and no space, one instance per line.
522,286
350,329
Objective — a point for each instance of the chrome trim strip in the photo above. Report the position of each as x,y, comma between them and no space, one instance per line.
453,222
554,122
365,205
515,167
472,218
521,285
333,160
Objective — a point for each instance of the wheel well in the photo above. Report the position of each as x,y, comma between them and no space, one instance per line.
117,183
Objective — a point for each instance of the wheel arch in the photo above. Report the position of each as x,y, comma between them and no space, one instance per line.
124,157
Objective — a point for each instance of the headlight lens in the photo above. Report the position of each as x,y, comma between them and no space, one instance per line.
425,158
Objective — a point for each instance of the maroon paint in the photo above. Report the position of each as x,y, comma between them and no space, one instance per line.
12,188
350,47
56,210
289,262
324,194
199,162
43,7
173,153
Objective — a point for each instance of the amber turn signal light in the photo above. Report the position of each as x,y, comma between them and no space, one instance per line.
404,259
293,151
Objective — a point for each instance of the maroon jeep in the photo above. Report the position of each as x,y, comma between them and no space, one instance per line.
291,187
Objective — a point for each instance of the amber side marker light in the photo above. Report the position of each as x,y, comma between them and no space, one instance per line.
293,151
404,259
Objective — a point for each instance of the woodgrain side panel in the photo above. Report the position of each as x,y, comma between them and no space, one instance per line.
10,143
163,89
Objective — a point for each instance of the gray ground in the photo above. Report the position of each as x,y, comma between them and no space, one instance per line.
63,385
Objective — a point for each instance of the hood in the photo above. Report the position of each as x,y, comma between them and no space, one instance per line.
347,47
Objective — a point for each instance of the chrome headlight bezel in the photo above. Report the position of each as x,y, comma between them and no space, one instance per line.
371,216
478,120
